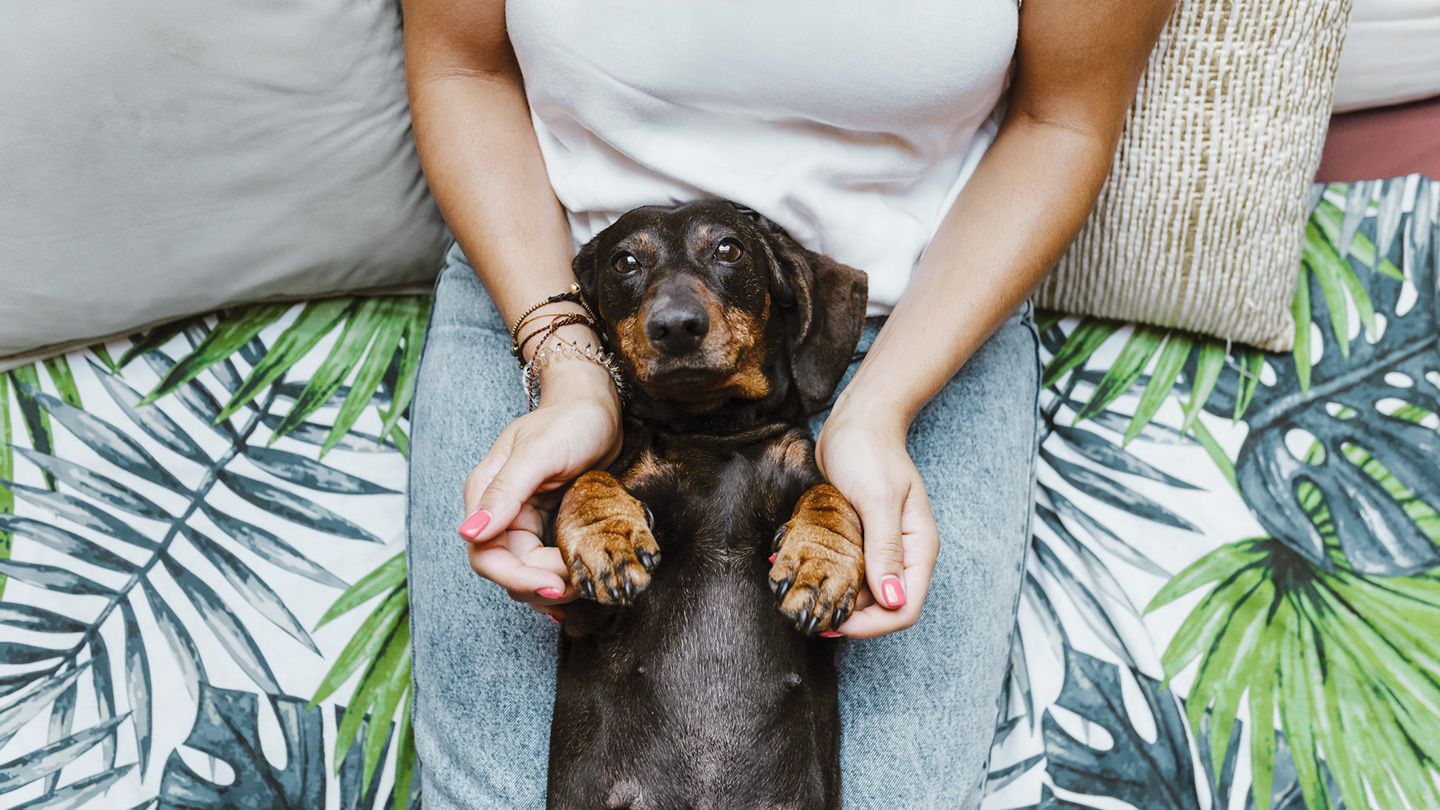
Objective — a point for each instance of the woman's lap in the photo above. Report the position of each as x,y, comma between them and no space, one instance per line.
917,708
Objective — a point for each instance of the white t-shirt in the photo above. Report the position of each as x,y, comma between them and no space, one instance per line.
850,123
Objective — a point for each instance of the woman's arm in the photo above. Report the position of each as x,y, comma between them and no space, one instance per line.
1078,64
479,152
483,163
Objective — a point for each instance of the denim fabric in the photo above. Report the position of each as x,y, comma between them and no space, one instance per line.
918,708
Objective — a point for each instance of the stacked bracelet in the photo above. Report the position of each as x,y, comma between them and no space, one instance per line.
556,321
571,295
530,372
547,350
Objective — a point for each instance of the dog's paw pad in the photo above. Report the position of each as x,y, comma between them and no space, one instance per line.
816,576
610,559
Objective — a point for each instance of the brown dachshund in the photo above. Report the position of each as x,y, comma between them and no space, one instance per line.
690,673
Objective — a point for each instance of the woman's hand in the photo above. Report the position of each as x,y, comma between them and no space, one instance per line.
575,428
864,456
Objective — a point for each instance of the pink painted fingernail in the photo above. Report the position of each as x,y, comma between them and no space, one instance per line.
550,593
892,592
772,558
831,634
475,524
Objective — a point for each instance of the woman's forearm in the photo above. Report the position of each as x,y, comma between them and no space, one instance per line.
1078,64
1026,201
480,156
482,160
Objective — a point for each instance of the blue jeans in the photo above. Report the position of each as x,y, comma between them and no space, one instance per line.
918,708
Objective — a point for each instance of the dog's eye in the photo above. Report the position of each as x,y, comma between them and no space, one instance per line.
728,251
625,263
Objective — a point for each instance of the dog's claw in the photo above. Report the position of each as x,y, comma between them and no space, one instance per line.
647,559
616,593
808,622
841,614
775,541
782,587
629,588
649,516
586,588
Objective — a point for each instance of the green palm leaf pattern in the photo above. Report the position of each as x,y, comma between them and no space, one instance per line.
377,336
170,538
1282,651
1341,286
36,423
381,648
1345,662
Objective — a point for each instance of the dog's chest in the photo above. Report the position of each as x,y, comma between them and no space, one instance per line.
716,507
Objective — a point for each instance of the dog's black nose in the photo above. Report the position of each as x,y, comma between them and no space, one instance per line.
677,328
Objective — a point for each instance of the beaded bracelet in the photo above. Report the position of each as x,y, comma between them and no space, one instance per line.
571,294
557,321
530,372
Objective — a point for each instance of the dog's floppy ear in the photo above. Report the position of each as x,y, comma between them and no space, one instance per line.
824,304
583,266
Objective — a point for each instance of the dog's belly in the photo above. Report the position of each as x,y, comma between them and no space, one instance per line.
699,696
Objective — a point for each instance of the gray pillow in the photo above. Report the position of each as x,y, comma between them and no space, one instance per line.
159,159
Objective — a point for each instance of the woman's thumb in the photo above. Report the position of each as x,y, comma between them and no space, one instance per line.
884,555
517,480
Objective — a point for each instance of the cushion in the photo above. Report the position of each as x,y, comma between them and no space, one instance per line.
1390,54
1199,226
163,159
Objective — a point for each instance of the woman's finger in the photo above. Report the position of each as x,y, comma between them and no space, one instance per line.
920,540
520,477
878,620
529,520
554,614
477,481
497,562
537,602
546,558
523,538
884,553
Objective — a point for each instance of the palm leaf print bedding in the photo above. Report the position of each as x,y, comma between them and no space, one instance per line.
1230,599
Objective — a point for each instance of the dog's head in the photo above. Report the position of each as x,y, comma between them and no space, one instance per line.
709,302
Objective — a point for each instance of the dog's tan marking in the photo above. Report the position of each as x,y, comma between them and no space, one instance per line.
820,564
790,452
700,239
719,348
746,345
646,468
643,243
634,345
605,540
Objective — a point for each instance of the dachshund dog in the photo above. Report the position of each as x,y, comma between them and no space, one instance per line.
690,674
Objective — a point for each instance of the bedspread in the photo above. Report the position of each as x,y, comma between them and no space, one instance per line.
1231,598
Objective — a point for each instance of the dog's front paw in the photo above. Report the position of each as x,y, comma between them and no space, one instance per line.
819,563
604,536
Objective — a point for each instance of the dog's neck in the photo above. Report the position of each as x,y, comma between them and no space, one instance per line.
732,421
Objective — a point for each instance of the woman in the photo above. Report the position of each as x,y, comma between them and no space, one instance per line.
880,134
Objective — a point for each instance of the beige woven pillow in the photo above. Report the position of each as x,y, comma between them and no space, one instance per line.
1201,221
